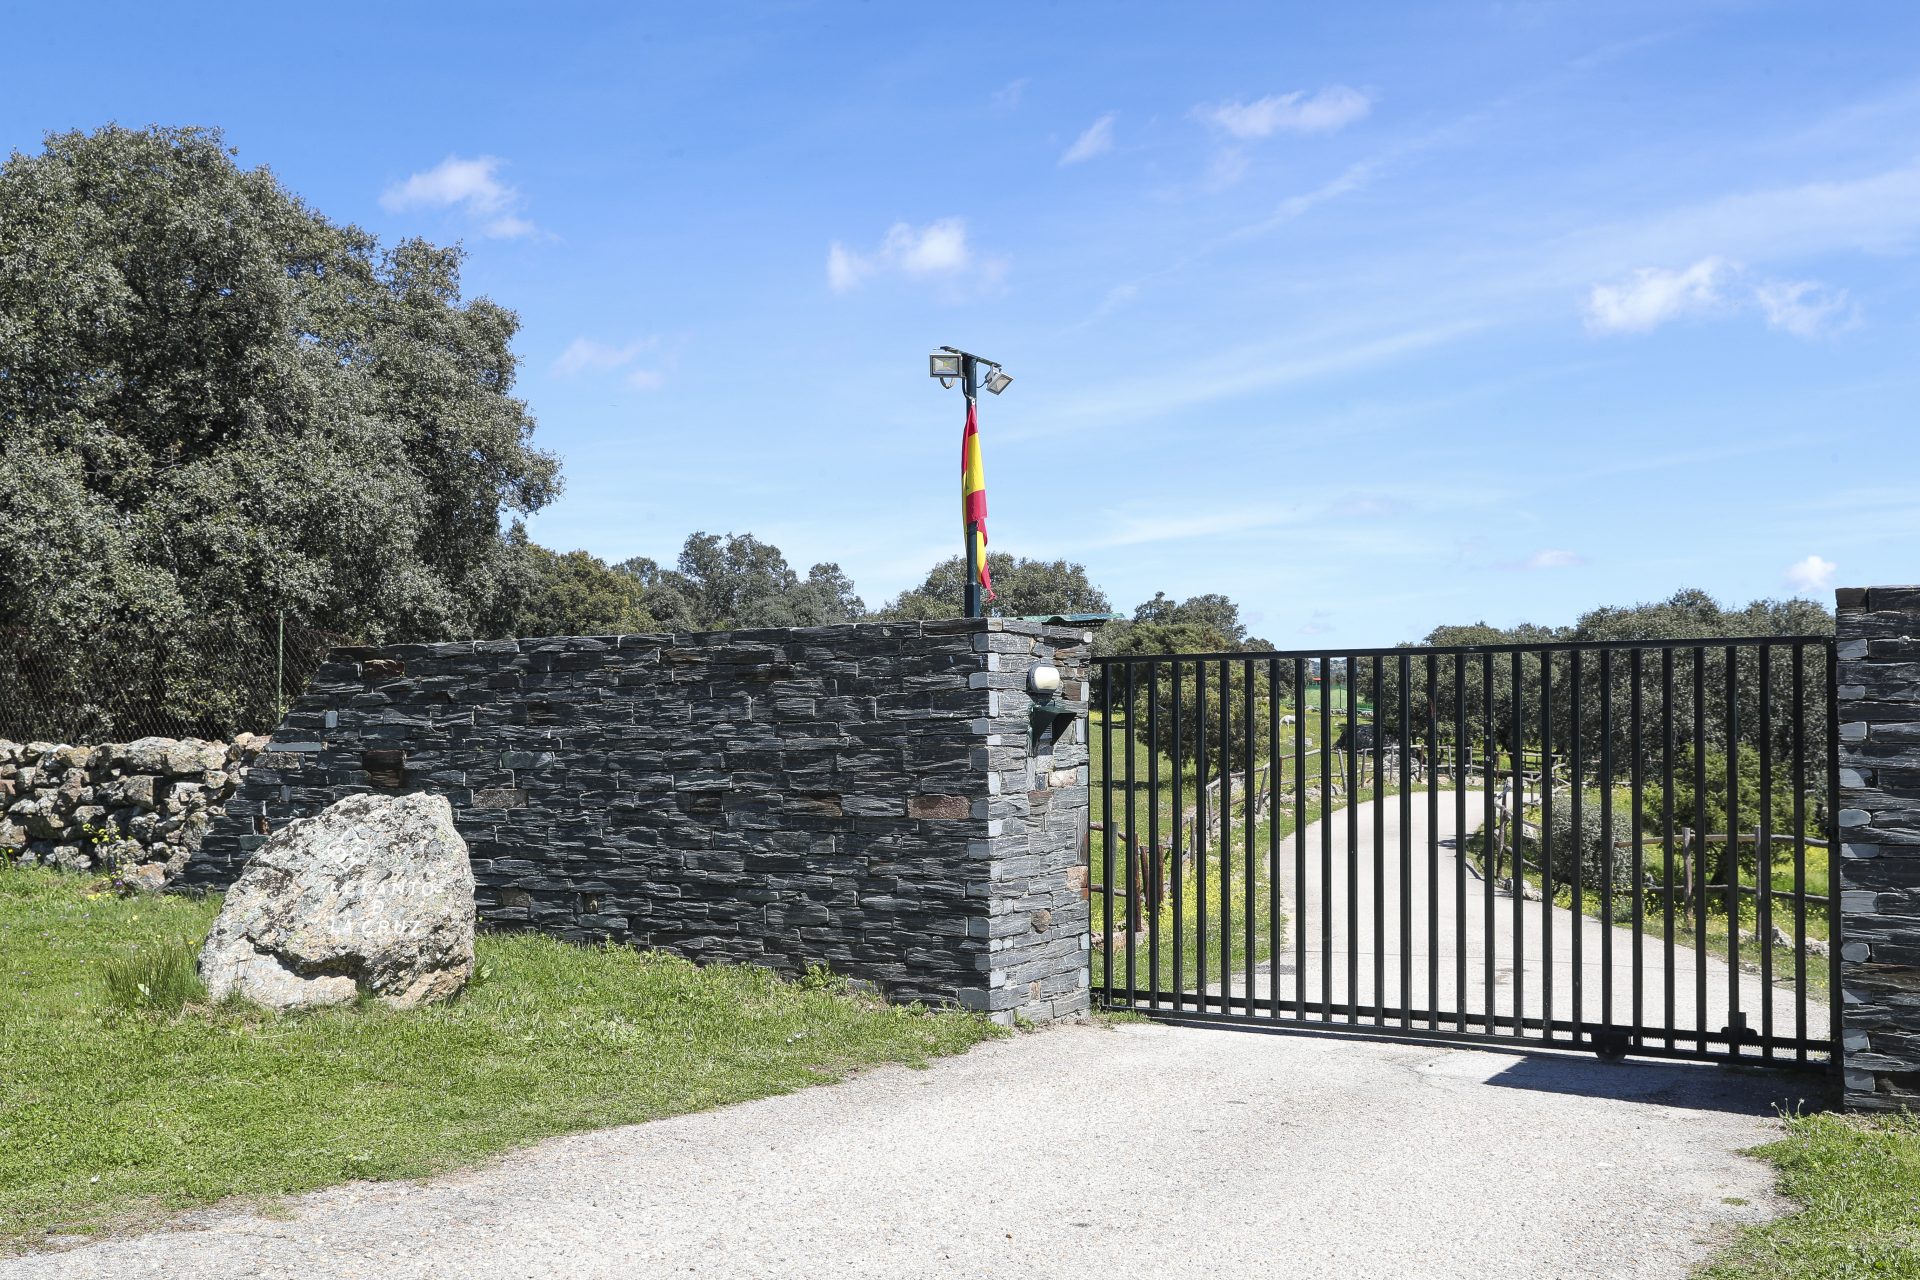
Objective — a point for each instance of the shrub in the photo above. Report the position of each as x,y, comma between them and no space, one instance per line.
1587,845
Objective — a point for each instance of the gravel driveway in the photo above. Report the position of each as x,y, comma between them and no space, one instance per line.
1139,1150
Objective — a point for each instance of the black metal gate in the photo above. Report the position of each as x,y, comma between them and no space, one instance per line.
1619,846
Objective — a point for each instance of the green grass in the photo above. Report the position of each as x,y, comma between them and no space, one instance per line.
1857,1181
114,1112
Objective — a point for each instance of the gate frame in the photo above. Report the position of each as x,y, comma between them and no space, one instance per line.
1611,1041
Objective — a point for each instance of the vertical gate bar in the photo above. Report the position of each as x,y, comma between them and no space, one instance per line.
1800,851
1433,844
1606,839
1836,920
1202,840
1300,839
1249,827
1636,769
1132,847
1763,855
1548,889
1352,763
1577,975
1106,835
1666,831
1178,858
1732,854
1406,839
1517,866
1379,848
1699,885
1158,880
1274,778
1226,837
1326,840
1490,743
1459,842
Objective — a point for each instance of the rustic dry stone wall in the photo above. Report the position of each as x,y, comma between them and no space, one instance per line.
137,809
876,797
1878,650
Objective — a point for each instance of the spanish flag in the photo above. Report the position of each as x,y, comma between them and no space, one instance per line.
973,496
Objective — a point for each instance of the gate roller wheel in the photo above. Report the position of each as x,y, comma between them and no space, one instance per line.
1610,1047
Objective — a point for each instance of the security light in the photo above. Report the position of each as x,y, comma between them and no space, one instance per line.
999,380
943,365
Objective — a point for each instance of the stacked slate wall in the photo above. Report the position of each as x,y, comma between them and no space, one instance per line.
867,796
136,810
1878,651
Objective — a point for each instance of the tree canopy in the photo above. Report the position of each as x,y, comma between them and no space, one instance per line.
1023,588
216,404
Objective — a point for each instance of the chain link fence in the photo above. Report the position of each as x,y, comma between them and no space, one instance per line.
229,678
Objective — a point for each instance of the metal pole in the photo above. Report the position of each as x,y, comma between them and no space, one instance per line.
975,607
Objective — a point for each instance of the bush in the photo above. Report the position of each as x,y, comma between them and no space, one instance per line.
1586,846
161,978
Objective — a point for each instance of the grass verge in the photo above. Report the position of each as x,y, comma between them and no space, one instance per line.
1857,1180
116,1109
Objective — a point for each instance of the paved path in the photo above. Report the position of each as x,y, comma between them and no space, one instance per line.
1603,952
1085,1152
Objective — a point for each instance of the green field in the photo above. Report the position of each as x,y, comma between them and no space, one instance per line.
115,1112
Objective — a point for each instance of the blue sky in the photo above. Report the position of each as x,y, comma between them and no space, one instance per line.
1373,317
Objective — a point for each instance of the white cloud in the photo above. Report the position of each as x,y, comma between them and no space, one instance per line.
472,185
584,355
1554,558
1332,108
1352,178
1804,308
938,249
1097,140
1007,96
508,228
1810,575
1652,296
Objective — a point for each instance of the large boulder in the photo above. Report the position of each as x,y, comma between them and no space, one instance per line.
375,895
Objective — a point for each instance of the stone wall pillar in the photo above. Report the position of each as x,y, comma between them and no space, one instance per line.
1878,650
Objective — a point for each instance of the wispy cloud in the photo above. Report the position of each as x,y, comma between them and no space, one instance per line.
1096,140
938,249
1008,96
471,185
1804,308
1810,575
1877,213
1652,296
585,355
1332,108
1553,558
1258,367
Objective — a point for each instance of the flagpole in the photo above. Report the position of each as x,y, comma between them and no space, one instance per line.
975,606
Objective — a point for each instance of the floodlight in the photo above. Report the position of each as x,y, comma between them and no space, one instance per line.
942,364
999,380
